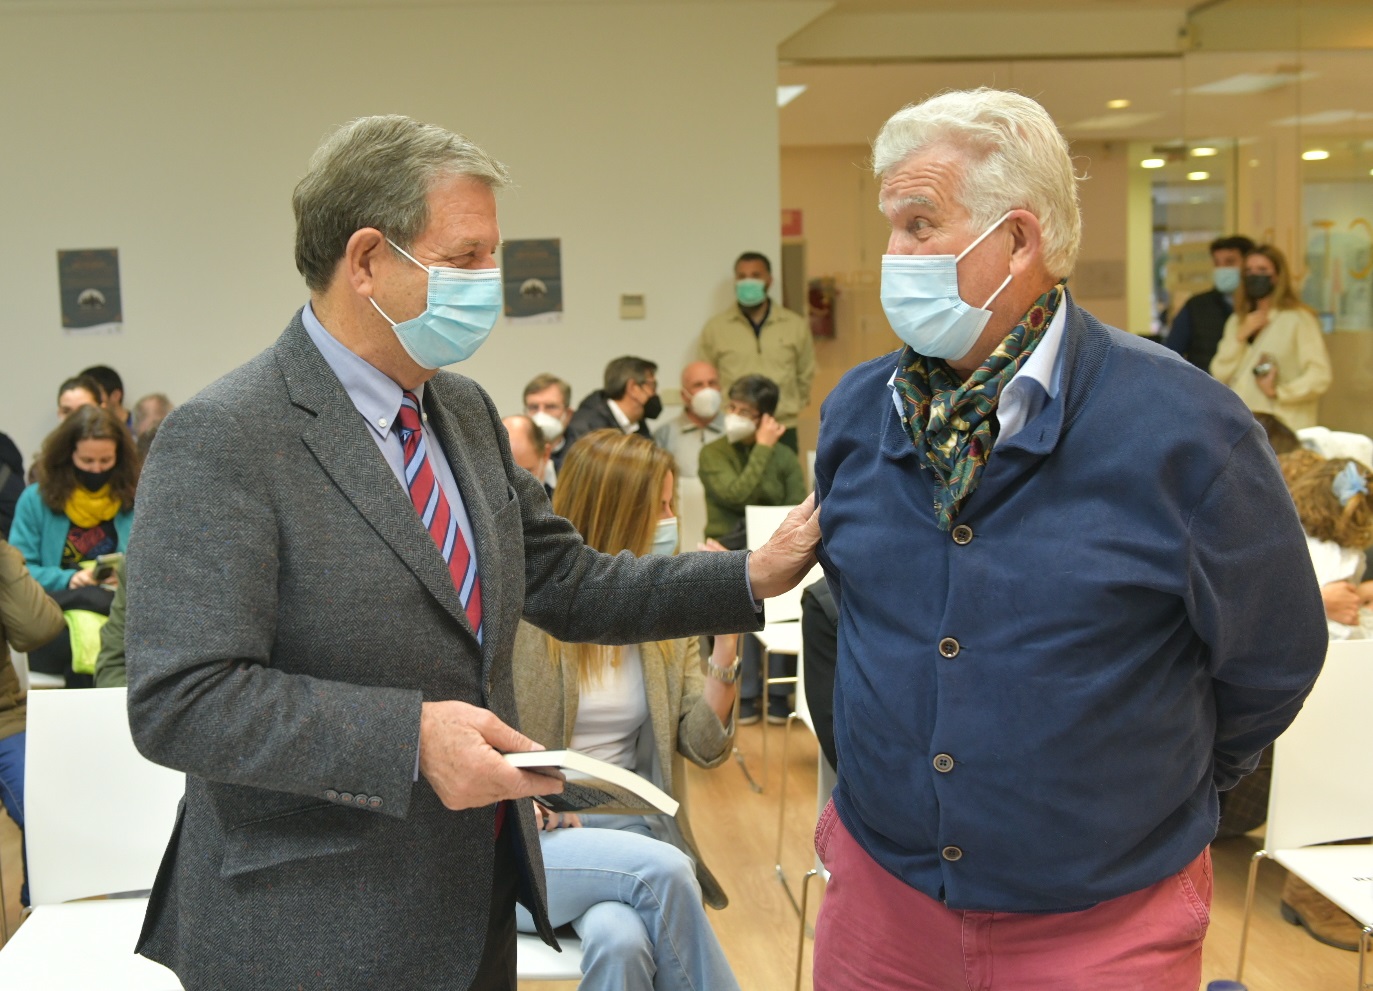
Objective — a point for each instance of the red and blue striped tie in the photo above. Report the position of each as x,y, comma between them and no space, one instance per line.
435,513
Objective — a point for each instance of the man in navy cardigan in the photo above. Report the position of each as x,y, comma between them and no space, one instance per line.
1074,597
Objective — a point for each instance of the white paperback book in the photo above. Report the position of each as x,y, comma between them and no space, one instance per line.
593,785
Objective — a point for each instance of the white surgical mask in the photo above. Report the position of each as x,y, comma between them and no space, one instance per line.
463,307
739,428
551,426
706,403
665,537
920,297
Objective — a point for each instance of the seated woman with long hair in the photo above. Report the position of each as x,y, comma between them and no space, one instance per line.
80,508
630,885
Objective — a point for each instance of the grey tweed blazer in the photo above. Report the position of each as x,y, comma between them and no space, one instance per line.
287,615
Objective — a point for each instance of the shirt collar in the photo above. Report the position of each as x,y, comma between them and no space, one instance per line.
716,425
375,395
620,417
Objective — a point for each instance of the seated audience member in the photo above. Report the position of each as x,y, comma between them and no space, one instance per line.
29,618
113,386
80,508
149,412
548,402
1337,444
528,448
701,421
1281,438
630,885
1198,327
1336,511
1272,353
77,392
11,482
628,398
750,467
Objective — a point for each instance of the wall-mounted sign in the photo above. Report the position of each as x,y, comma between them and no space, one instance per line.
532,272
88,287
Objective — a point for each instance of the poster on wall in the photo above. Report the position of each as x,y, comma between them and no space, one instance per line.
532,272
88,288
1339,255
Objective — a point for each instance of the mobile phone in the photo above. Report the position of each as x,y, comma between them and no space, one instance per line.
1262,369
105,565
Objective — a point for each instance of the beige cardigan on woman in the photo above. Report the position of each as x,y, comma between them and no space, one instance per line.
546,696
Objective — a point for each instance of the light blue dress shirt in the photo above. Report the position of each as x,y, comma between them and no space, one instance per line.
377,399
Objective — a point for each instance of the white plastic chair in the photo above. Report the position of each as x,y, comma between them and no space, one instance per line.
1318,794
537,961
98,816
782,632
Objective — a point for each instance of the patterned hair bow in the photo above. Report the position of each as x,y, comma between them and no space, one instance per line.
1349,483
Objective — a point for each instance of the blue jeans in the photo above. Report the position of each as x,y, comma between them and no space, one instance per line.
636,905
12,792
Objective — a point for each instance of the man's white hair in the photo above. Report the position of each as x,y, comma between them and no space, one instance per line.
1015,156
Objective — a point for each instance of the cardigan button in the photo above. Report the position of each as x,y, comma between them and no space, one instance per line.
331,794
951,853
962,534
949,647
943,763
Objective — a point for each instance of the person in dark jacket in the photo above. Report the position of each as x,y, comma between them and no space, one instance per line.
11,482
626,402
1058,640
1198,326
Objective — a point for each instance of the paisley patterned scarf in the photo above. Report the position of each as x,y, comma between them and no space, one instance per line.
951,422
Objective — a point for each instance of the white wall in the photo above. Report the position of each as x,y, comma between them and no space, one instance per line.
643,135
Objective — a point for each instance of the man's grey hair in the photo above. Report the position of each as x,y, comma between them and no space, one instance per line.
1016,159
622,371
532,430
377,172
149,411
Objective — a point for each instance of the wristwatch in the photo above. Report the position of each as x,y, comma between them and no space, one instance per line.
727,676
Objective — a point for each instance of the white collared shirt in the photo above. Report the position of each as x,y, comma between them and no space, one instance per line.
620,417
1030,389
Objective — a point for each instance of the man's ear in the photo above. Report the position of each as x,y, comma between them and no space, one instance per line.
1026,242
364,250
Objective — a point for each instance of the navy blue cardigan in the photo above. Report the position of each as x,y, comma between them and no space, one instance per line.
1038,718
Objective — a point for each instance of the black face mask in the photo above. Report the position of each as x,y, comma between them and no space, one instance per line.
1258,286
93,480
653,408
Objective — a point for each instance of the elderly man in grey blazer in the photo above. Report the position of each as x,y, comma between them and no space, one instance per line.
332,552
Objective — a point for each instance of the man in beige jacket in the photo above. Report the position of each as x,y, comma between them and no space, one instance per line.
758,337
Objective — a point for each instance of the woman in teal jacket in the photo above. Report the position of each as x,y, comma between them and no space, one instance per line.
80,508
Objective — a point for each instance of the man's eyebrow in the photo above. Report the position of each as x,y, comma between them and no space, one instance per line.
896,205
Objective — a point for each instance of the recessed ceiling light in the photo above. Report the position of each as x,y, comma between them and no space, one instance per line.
1152,163
1117,104
1315,155
1198,176
1203,151
785,94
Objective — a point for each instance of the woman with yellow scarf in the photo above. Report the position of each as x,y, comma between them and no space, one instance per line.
80,508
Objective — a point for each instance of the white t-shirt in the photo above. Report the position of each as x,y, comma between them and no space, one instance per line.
611,710
1334,563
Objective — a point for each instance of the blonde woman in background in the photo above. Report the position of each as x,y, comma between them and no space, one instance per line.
630,885
1272,352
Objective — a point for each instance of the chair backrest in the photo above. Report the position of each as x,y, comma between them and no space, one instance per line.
1318,793
761,521
691,512
97,813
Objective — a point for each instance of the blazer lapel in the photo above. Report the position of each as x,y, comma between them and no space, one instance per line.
339,441
656,695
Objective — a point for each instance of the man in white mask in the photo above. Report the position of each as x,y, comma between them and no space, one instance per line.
701,421
1074,599
1200,323
548,402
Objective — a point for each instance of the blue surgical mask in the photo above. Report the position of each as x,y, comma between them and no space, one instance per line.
1227,278
920,296
665,537
463,307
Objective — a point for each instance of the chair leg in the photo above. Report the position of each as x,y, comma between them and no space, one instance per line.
1364,946
1248,910
782,812
801,936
